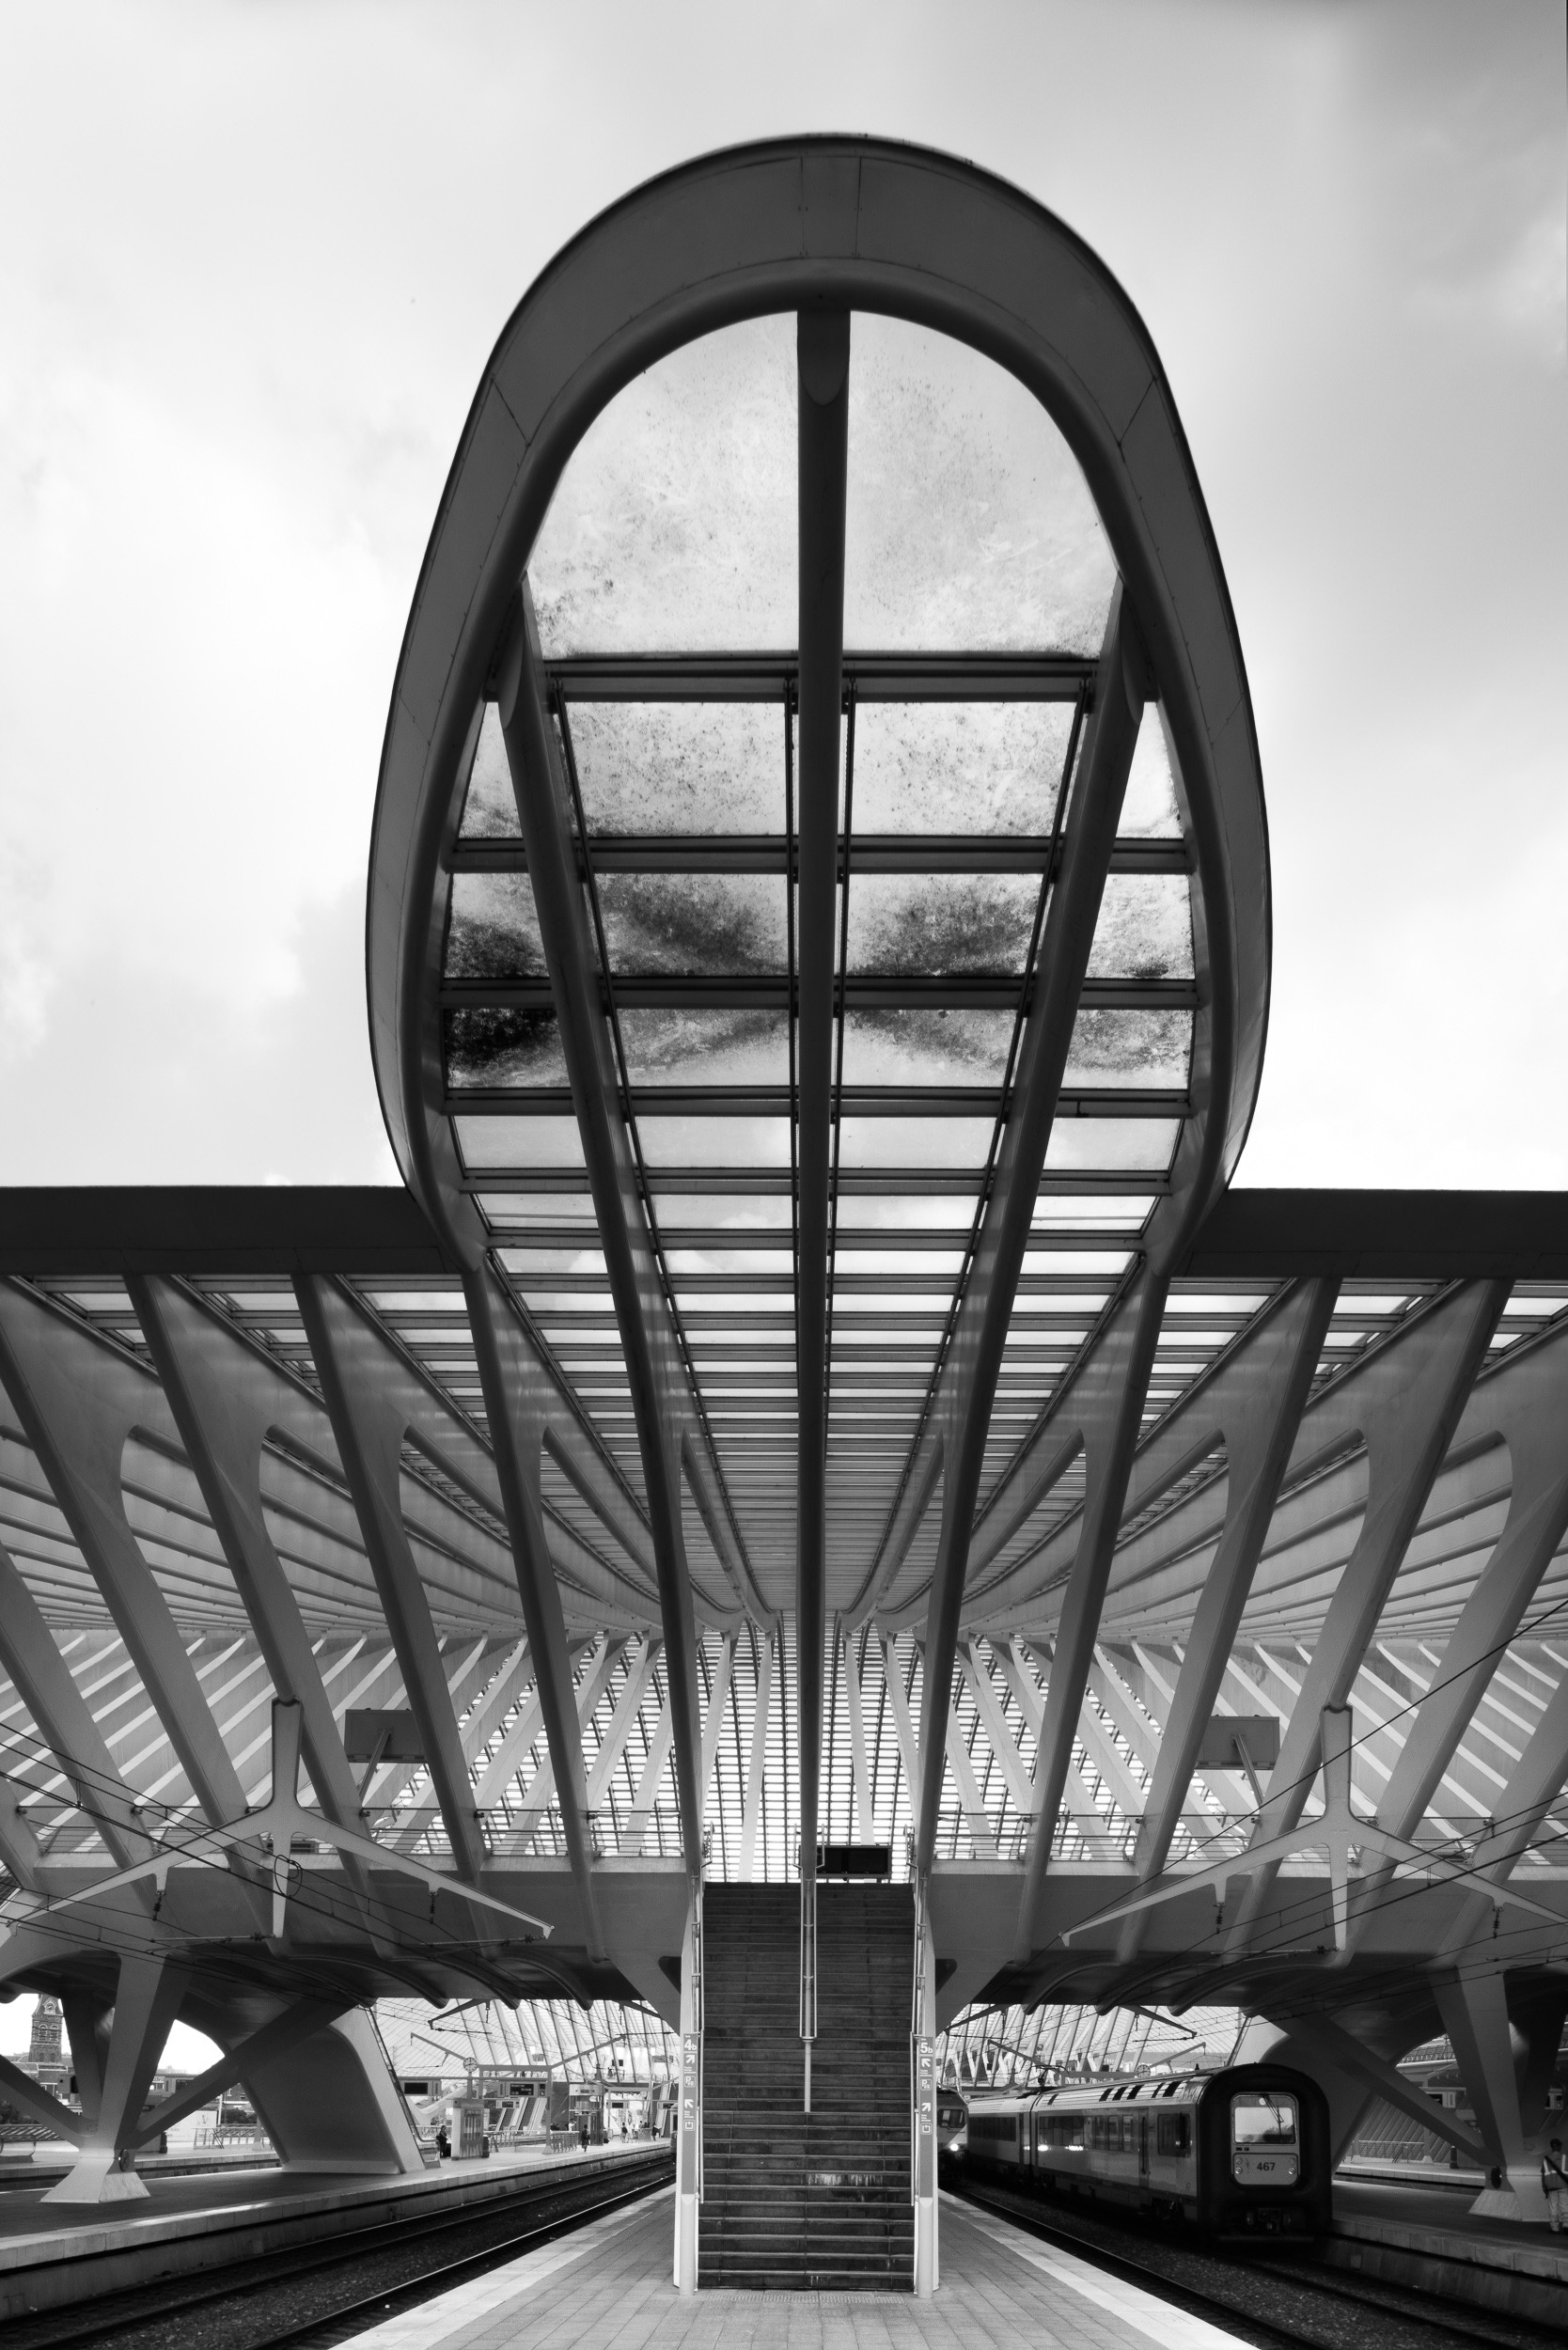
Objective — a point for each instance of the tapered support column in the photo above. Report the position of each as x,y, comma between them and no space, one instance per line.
1475,2017
688,2135
146,2004
923,2118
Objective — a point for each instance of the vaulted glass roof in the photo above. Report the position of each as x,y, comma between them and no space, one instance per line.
977,582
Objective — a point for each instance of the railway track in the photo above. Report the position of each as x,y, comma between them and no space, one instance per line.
325,2293
1274,2301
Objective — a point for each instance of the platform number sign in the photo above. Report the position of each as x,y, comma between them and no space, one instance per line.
925,2112
688,2083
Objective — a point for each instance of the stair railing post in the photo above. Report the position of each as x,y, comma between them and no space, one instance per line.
688,2141
922,2102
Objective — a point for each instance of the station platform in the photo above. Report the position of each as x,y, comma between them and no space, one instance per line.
53,2255
609,2285
1423,2234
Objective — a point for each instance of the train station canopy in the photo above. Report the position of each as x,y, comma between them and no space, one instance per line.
816,1382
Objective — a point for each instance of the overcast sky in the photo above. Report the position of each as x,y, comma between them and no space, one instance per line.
253,258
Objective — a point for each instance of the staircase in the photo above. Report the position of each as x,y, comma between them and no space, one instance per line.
812,2201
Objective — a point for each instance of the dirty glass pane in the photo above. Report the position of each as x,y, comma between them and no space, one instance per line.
660,767
1149,811
493,1142
674,524
1093,1209
914,1141
728,924
1141,1144
959,767
940,923
490,810
926,1048
1130,1048
1145,928
491,1044
494,930
706,1048
907,1212
969,523
719,1210
703,1142
540,1207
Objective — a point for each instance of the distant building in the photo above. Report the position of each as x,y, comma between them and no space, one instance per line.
46,2057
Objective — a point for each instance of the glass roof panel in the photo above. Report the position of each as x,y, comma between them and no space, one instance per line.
913,1141
700,1142
1145,928
673,526
490,1044
969,523
490,810
727,924
904,1210
540,1207
494,930
1130,1048
939,923
660,767
1141,1144
926,1048
958,767
706,1048
725,1211
491,1143
1149,810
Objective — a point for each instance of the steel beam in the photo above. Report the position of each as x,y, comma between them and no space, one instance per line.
859,1762
628,1706
660,1399
1003,1743
1107,1406
713,1727
751,1808
45,1681
226,1400
1405,1406
1526,1401
79,1400
370,1430
1256,1404
514,1411
822,357
968,1381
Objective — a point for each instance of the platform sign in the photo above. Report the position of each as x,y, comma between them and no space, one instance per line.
925,2116
689,2065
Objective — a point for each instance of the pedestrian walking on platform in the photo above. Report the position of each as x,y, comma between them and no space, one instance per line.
1554,2179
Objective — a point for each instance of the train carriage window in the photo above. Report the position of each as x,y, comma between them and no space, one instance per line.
1171,2134
1266,2146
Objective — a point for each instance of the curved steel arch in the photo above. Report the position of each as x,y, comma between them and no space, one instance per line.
787,224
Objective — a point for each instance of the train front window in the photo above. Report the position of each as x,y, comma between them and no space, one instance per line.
1266,2145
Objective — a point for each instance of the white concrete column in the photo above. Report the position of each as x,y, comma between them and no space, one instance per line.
1475,2017
688,2135
923,2117
146,2004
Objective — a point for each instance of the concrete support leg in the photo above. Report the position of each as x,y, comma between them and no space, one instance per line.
146,2004
329,2103
927,2265
1475,2017
688,2135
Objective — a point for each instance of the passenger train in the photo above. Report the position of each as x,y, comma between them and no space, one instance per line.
1240,2153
